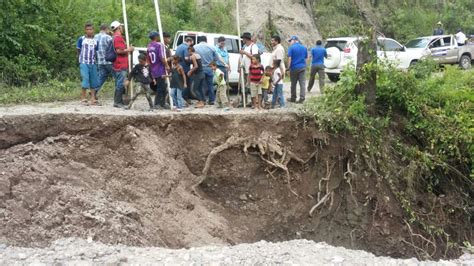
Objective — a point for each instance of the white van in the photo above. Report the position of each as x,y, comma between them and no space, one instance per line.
232,45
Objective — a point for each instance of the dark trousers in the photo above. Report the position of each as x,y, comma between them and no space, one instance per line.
198,86
160,89
319,69
298,75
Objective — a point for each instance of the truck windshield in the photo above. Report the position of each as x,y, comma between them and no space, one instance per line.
418,43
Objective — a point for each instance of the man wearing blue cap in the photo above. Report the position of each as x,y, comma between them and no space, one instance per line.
297,57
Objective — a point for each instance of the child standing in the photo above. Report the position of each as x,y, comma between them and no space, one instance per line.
266,85
255,77
86,52
220,82
142,77
277,80
178,83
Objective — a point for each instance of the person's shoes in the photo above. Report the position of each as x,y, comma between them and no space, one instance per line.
291,100
166,107
309,89
210,103
119,105
200,105
157,107
300,101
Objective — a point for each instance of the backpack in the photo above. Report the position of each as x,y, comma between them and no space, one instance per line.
110,53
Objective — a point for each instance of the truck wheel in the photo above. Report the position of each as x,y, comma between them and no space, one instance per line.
465,62
333,77
413,63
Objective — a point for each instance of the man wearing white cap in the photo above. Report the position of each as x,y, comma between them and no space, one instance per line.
439,30
120,65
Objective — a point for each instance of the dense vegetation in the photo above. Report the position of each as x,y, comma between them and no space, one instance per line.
400,19
419,141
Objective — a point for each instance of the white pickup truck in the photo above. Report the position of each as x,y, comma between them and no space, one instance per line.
444,49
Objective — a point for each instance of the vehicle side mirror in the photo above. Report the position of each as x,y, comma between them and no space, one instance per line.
403,49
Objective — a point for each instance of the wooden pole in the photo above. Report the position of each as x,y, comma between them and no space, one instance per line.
241,67
127,39
160,29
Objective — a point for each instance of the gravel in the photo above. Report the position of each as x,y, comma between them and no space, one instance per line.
73,251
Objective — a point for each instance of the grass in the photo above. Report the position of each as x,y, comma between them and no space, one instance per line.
53,91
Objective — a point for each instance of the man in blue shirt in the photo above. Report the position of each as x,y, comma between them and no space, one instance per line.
104,67
221,50
297,56
318,54
182,52
208,54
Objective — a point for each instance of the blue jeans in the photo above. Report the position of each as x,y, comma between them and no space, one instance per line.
177,95
90,79
209,79
120,77
198,86
105,71
278,96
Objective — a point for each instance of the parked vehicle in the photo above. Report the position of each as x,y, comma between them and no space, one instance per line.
232,44
342,52
444,49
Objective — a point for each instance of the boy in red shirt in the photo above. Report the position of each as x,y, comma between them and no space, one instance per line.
255,78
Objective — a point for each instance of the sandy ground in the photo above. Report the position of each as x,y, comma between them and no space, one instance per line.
140,107
297,252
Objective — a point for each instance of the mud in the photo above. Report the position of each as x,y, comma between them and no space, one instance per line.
129,180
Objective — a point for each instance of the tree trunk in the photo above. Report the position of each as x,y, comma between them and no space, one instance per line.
366,54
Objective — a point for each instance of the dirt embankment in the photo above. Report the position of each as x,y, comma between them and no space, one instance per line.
131,180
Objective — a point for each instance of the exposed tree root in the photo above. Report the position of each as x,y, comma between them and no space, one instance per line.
269,149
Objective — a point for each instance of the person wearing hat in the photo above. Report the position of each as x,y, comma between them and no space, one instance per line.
439,29
248,51
460,37
120,65
297,57
158,67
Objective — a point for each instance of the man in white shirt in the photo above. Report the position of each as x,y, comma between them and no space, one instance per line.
460,37
249,50
278,53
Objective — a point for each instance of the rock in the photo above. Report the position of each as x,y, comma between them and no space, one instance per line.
243,197
22,256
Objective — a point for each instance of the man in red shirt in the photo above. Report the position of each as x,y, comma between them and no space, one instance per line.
120,65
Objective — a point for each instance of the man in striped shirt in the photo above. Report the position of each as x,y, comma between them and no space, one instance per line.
86,51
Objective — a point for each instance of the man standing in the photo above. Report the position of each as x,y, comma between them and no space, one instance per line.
120,65
297,56
278,52
248,51
460,37
104,67
208,54
439,30
182,52
221,50
86,49
158,68
318,54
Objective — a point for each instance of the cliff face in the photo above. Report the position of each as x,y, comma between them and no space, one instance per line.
289,17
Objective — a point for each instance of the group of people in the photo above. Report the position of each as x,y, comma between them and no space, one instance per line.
461,38
196,71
